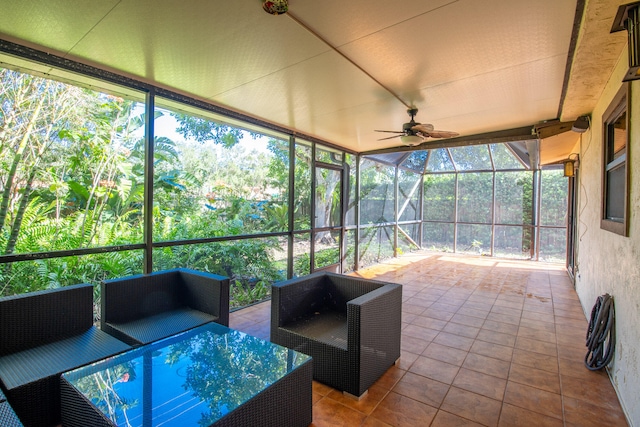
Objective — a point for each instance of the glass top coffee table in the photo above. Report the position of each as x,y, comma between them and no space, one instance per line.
208,376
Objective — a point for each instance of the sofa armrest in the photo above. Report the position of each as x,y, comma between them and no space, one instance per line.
375,317
36,318
207,292
374,331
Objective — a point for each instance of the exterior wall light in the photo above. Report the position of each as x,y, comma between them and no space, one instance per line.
570,165
627,18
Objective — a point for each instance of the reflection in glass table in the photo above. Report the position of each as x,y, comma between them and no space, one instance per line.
195,378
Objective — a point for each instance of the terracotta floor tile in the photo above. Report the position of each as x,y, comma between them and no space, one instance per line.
480,383
584,414
438,314
533,377
413,344
462,330
507,311
538,324
434,369
390,377
537,334
429,322
445,354
504,318
455,341
505,328
467,320
535,316
420,332
535,346
320,388
535,360
374,422
443,306
330,413
533,399
572,353
472,406
445,419
496,337
400,411
602,395
496,351
577,369
487,365
406,359
422,389
412,309
473,312
514,416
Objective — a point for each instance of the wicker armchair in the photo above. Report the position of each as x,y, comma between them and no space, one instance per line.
350,326
44,334
145,308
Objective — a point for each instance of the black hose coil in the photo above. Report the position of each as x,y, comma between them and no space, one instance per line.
601,334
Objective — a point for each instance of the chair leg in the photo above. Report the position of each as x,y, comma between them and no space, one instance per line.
354,397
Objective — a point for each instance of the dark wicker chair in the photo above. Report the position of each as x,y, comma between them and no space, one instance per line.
145,308
44,334
350,326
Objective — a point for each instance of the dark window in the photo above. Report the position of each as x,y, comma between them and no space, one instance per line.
615,171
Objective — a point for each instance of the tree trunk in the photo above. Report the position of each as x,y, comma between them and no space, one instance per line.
17,158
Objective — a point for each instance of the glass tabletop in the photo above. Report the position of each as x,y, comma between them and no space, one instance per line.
191,379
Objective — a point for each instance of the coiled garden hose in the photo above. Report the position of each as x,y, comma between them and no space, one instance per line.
601,334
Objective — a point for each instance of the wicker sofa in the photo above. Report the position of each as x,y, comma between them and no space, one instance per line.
44,334
145,308
350,326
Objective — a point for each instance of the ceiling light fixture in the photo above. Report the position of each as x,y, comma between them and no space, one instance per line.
410,140
628,18
275,7
581,124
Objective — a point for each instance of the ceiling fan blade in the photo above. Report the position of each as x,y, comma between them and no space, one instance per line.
441,134
389,131
422,127
391,137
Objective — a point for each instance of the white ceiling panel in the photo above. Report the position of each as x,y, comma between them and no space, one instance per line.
335,70
205,49
56,24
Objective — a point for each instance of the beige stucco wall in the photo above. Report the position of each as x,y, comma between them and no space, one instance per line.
607,262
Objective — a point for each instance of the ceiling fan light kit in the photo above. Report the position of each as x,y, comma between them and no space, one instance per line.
411,140
414,133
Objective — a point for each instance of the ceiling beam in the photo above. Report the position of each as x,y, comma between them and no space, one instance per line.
524,133
552,128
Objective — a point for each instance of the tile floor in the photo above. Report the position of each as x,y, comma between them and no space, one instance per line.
485,342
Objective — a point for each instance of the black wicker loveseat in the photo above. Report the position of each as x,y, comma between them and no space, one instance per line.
350,326
145,308
44,334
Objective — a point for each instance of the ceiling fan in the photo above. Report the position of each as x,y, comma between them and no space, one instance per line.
414,133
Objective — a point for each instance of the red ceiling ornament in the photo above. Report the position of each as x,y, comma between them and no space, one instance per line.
275,7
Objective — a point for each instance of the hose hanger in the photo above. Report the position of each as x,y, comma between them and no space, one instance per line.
601,334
